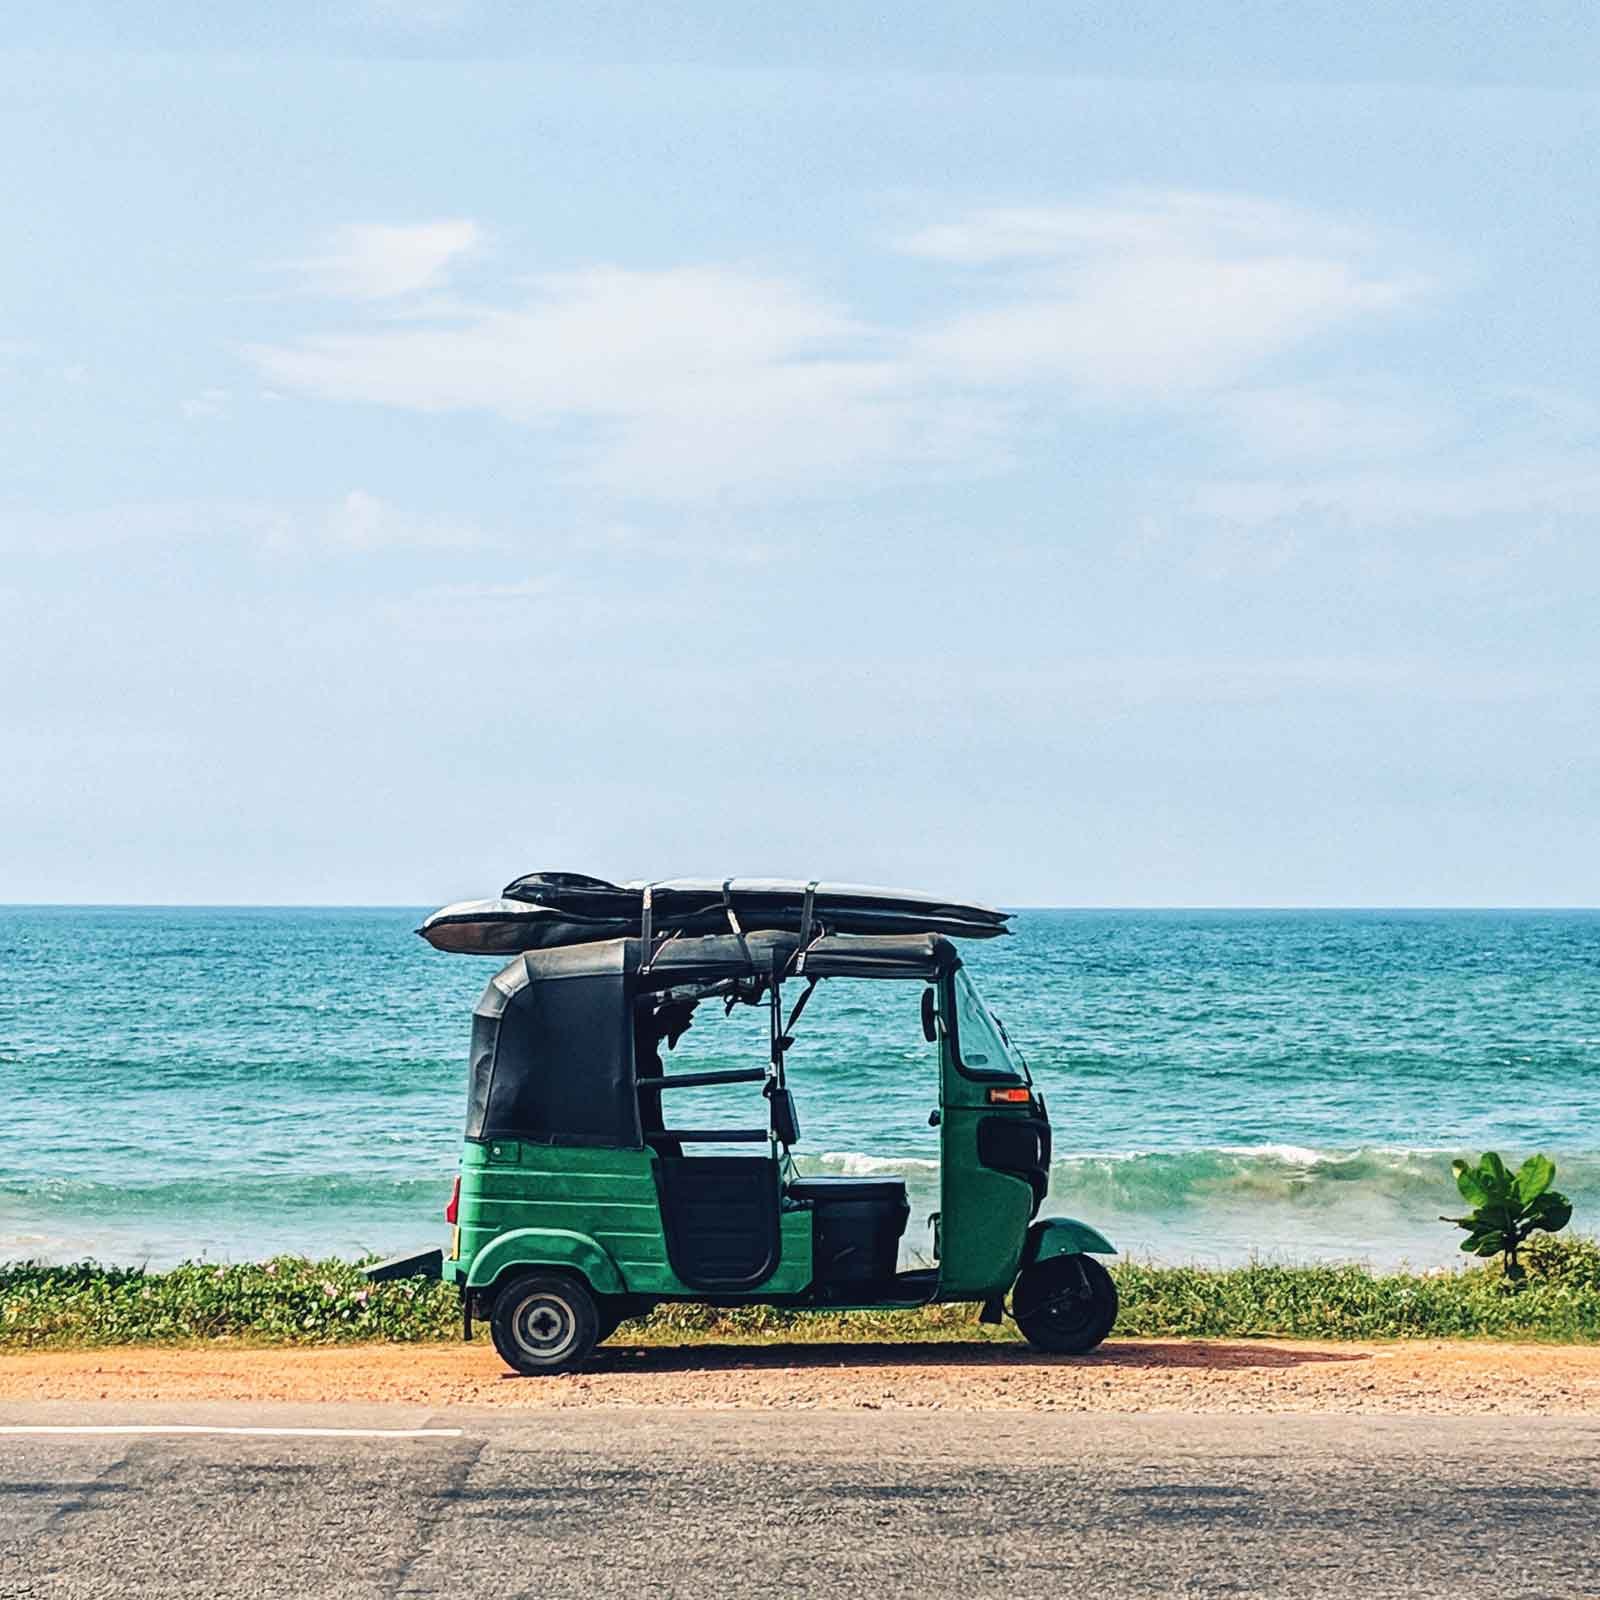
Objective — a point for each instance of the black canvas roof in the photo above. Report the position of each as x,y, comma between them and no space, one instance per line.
841,955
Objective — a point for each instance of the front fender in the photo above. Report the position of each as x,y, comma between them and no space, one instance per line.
1063,1236
545,1247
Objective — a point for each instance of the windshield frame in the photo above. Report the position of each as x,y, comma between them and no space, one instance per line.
1015,1069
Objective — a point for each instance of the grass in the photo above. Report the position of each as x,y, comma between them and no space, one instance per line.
289,1301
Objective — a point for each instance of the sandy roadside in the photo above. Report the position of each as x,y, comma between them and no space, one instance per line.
1125,1375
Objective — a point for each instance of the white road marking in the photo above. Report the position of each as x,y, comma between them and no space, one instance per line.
266,1433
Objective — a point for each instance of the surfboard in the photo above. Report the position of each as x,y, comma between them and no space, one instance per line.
542,910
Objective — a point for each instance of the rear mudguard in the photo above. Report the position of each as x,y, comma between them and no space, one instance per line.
545,1247
1063,1236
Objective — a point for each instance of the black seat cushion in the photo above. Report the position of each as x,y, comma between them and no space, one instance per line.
840,1191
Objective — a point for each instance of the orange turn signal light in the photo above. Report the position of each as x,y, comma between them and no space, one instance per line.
1010,1097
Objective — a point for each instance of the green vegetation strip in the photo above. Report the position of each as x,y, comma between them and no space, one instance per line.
295,1302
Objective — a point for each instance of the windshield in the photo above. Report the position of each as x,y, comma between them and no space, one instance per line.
981,1043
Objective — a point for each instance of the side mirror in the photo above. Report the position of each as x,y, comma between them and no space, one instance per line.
930,1016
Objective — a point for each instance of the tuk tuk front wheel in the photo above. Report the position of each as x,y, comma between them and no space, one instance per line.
1065,1306
544,1322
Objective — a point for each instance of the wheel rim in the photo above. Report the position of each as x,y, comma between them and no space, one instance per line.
1067,1313
545,1326
1067,1316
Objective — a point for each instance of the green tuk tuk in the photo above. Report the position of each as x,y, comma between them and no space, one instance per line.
582,1201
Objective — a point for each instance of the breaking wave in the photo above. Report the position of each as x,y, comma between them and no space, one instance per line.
1129,1180
1156,1181
1217,1204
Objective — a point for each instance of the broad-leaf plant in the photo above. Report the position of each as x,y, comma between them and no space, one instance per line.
1507,1206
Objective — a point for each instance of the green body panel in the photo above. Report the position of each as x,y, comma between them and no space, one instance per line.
983,1214
794,1265
545,1247
528,1197
592,1209
1065,1236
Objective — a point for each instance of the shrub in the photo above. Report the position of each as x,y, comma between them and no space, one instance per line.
1507,1207
289,1301
1572,1262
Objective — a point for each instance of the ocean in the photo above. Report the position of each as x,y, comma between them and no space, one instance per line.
228,1083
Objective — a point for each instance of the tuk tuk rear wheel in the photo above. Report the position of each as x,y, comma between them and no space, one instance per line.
544,1322
1065,1306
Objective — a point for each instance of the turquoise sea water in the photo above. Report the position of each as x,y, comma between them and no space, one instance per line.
233,1082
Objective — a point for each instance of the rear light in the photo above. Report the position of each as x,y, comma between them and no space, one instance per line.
453,1210
1010,1097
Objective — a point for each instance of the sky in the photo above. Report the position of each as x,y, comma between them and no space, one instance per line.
1059,455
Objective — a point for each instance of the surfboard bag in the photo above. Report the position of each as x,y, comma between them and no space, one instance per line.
542,910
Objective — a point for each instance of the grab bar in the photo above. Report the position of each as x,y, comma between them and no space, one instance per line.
708,1136
696,1080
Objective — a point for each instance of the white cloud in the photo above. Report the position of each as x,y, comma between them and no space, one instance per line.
1366,419
602,343
1152,296
700,381
1157,679
356,523
380,261
1152,326
152,522
443,596
1136,222
420,13
1565,489
208,404
361,522
1555,410
484,612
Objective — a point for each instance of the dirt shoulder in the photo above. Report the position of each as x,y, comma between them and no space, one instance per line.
1418,1377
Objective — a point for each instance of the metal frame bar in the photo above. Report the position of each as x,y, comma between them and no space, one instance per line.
709,1136
696,1080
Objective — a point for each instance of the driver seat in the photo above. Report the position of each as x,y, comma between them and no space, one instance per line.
827,1190
855,1228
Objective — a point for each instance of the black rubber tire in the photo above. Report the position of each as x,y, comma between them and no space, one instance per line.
1065,1306
544,1322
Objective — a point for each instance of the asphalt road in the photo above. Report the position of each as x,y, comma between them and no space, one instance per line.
797,1503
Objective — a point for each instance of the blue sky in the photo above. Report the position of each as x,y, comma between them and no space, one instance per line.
1064,455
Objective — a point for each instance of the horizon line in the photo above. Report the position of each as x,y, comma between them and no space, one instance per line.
1015,906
